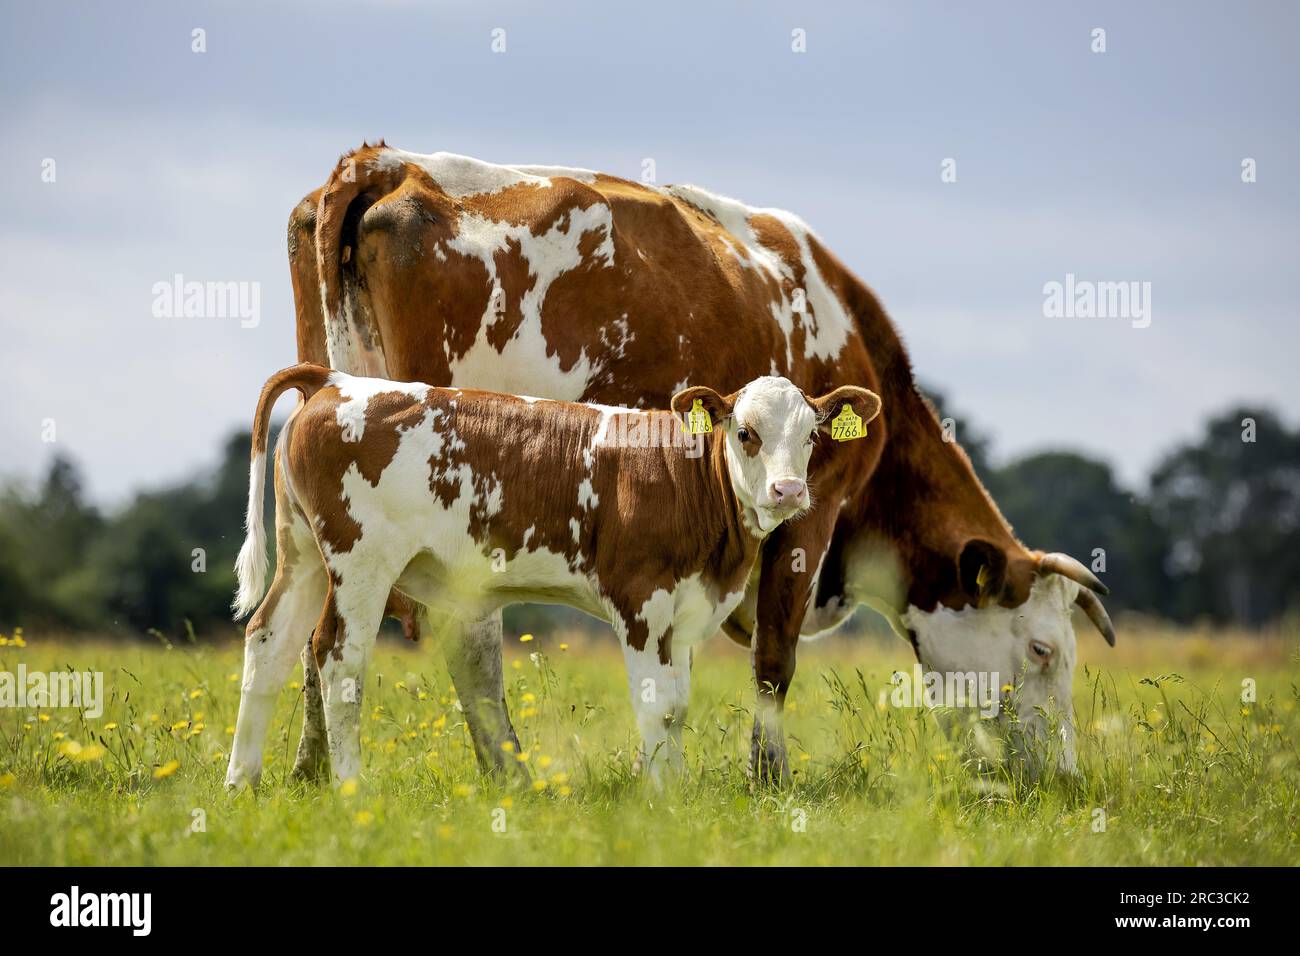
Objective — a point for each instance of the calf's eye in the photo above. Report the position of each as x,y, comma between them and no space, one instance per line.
743,434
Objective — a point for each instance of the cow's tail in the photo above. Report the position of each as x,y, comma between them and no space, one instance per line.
250,566
360,178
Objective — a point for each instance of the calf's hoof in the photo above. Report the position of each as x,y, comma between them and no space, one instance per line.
239,778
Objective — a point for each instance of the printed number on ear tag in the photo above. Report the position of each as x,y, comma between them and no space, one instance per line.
698,421
847,425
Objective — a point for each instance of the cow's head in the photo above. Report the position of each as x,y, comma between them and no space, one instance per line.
769,428
1017,626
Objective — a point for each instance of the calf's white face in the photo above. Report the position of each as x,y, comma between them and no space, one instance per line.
770,427
1031,648
769,440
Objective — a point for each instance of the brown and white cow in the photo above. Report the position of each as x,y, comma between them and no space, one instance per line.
464,501
577,285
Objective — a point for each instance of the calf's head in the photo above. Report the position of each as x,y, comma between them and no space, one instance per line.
769,428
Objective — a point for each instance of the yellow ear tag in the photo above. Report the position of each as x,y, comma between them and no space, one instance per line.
847,425
698,421
981,584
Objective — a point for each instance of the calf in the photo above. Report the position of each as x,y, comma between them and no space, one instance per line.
466,501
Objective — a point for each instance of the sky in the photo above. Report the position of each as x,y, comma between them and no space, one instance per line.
1124,165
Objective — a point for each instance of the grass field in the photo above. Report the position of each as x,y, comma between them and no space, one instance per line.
1176,768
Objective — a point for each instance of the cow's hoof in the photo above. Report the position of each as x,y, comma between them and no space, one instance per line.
310,763
768,762
308,771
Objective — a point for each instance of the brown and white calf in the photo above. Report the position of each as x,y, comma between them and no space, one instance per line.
466,501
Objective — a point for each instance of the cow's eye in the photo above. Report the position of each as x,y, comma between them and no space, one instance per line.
743,434
812,436
1041,651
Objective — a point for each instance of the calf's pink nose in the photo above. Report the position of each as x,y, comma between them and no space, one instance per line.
788,491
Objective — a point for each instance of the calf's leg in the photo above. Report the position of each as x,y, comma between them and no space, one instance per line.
660,693
272,639
312,759
343,642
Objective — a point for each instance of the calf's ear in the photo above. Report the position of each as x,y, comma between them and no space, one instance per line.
719,408
864,402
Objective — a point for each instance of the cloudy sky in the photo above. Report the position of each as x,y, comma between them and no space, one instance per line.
1124,165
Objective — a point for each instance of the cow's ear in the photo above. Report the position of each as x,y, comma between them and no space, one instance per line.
982,568
864,402
719,408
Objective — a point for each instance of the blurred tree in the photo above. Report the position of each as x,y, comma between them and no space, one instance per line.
1231,504
1062,501
43,536
169,557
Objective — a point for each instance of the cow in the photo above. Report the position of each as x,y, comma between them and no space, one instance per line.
464,501
582,286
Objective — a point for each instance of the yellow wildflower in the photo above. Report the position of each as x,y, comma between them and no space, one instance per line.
91,753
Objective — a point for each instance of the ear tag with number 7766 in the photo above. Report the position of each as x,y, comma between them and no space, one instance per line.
847,425
698,421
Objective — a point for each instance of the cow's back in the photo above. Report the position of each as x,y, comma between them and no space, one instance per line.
570,284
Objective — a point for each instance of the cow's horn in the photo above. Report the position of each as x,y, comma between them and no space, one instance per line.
1072,568
1091,606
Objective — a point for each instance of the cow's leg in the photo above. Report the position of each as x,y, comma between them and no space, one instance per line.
787,584
473,655
343,641
660,693
312,758
272,639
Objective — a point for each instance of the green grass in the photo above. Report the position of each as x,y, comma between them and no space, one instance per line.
1184,772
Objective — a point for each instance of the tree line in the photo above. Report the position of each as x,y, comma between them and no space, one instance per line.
1214,535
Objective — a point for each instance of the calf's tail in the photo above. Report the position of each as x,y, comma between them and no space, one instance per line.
250,567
